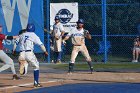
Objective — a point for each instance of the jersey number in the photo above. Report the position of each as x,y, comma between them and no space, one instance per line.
26,37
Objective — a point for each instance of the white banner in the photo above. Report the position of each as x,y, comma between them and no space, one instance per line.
68,13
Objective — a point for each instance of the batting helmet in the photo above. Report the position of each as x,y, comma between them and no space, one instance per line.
80,21
57,18
30,28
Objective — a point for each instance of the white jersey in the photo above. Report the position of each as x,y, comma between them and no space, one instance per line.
21,47
77,36
57,29
28,39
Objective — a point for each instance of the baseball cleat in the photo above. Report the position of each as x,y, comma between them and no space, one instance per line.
37,85
134,61
91,70
58,62
15,77
69,73
23,69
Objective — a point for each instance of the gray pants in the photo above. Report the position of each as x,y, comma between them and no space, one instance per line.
8,62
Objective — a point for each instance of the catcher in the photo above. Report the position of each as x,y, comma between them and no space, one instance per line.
78,35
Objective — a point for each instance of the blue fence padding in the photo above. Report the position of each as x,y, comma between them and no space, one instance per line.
102,48
48,29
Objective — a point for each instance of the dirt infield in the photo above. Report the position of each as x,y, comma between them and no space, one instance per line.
52,77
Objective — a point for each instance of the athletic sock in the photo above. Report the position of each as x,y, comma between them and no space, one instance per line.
59,56
55,56
36,76
71,65
13,69
90,65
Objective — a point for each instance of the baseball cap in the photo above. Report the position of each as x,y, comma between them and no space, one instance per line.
30,27
57,18
80,21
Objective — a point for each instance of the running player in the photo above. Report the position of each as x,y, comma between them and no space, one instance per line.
4,57
27,41
22,62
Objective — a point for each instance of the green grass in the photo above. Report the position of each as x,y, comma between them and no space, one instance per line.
99,58
100,66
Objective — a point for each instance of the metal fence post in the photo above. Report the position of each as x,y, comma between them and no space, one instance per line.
48,29
104,29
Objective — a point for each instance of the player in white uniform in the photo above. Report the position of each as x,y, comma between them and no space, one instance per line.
78,35
22,62
8,62
57,33
27,41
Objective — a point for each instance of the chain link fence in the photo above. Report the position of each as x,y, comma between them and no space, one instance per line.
123,17
122,20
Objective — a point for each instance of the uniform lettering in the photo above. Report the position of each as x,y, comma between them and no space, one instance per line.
9,9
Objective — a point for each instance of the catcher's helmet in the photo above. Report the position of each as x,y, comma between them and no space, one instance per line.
30,28
80,21
57,18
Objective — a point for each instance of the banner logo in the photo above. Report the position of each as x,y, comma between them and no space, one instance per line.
65,15
9,8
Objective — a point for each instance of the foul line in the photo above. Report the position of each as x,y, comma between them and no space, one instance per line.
27,84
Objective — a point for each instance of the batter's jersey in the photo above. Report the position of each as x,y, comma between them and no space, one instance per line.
77,36
57,29
28,39
2,37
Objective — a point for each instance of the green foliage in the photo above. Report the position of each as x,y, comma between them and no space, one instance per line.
121,19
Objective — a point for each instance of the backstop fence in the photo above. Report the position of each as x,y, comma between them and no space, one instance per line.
113,25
